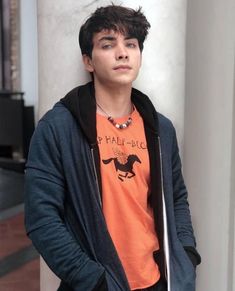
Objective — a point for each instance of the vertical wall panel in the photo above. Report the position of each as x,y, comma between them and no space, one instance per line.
208,150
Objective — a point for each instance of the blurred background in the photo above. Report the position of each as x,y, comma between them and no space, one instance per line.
19,262
188,71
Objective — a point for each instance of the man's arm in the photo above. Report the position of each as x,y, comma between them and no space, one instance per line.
44,212
181,207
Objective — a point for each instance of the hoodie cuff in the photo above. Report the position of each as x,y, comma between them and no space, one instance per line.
193,255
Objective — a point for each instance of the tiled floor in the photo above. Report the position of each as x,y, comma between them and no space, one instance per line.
19,261
12,235
26,278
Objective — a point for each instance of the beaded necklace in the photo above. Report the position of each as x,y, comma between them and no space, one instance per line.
114,123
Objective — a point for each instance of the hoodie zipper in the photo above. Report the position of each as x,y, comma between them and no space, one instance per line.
96,178
166,241
100,202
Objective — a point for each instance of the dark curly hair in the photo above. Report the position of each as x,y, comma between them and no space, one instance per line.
121,19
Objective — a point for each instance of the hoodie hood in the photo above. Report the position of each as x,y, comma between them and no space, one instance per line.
82,104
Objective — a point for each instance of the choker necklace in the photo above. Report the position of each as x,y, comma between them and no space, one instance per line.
114,123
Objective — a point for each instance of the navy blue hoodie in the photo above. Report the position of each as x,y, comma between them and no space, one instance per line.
63,198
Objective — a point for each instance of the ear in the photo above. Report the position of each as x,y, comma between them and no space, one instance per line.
88,63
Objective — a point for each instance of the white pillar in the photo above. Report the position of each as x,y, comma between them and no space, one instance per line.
209,158
61,68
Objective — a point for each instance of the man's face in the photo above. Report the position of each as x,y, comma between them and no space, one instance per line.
115,60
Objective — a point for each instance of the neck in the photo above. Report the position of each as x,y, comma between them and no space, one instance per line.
116,102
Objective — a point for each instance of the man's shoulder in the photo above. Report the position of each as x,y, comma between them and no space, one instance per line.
58,114
56,123
165,124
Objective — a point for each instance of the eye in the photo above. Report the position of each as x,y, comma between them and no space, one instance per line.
107,46
131,45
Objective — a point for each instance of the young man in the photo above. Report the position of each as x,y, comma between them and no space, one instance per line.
106,205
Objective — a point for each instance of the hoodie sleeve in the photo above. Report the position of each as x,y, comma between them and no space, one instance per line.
44,212
181,207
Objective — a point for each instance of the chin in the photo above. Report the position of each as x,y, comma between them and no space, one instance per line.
124,81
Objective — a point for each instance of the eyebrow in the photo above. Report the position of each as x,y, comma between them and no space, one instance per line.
108,37
113,38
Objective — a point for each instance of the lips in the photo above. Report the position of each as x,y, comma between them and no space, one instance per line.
122,67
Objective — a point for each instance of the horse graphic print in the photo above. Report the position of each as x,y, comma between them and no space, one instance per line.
123,164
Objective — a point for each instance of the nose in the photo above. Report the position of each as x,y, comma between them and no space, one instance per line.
122,53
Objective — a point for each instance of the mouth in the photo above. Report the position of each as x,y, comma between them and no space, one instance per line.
122,68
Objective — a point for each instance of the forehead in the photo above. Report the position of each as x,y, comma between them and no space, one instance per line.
99,36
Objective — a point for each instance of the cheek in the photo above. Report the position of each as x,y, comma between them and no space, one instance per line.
138,59
98,62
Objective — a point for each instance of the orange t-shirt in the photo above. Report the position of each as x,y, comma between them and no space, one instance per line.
125,184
